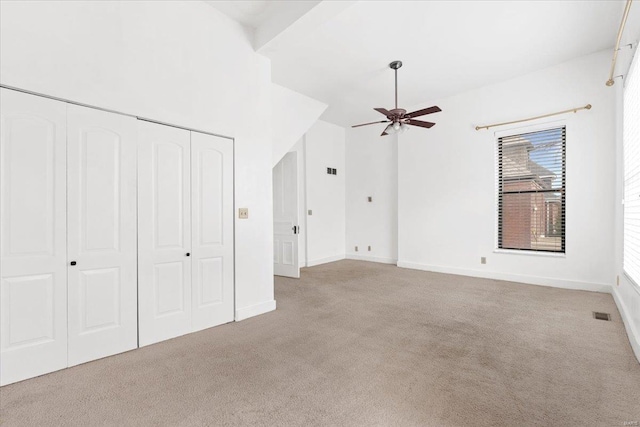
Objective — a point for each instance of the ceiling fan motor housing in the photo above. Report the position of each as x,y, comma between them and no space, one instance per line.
397,113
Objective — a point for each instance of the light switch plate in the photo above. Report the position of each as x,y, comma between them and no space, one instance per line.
243,213
310,212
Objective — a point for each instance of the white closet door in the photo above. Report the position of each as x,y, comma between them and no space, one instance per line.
164,232
101,194
212,225
33,271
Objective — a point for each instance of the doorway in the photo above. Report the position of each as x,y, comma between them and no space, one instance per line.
286,224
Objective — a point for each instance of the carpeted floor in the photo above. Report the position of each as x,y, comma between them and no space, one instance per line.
356,343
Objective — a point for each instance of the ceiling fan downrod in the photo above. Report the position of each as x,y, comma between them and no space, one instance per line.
394,66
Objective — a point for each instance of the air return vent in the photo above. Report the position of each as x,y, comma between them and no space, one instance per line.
601,316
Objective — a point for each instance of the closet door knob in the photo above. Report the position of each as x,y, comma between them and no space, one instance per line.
188,254
72,263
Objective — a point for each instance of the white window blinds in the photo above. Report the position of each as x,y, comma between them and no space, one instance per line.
631,150
531,191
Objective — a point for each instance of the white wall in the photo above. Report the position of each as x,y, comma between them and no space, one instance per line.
321,234
324,147
293,114
178,62
447,203
372,170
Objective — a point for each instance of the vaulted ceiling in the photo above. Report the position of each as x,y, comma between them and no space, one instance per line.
338,52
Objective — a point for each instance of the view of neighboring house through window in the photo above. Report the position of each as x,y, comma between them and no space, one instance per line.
531,191
631,152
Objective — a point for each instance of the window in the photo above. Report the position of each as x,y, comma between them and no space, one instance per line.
631,153
531,191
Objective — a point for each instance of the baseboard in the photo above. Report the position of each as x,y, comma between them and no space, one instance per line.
531,280
632,332
372,259
319,261
255,310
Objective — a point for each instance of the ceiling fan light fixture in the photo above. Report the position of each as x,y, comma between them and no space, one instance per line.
392,130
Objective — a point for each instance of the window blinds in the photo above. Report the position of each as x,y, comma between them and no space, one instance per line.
531,191
631,150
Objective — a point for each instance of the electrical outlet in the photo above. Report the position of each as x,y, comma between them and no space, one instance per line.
369,248
329,171
243,213
310,212
334,172
483,260
370,199
356,249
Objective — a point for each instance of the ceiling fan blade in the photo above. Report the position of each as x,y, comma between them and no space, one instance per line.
384,111
420,123
372,123
423,112
384,132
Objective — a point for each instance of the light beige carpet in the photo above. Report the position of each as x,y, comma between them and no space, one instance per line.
355,343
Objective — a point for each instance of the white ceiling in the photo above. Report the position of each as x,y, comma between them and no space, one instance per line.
249,13
447,47
252,13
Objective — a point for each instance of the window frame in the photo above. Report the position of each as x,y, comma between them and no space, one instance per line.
538,125
633,66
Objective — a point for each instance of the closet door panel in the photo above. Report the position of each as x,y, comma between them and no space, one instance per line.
164,230
212,226
33,281
101,162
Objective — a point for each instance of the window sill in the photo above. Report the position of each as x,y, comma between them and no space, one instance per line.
530,253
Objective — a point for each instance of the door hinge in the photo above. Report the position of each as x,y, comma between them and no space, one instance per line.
296,229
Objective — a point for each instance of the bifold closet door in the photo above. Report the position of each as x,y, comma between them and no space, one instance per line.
164,232
33,239
212,227
101,227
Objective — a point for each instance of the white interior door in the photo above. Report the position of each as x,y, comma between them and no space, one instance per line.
101,226
164,232
33,239
285,217
212,230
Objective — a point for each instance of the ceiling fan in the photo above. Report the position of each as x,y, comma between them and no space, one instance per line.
398,118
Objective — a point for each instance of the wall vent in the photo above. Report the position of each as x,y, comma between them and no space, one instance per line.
601,316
